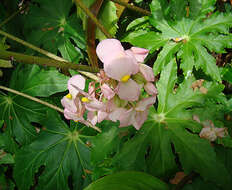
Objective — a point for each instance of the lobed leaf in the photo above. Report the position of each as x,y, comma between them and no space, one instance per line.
56,155
127,181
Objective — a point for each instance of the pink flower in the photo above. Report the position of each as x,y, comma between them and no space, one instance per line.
119,65
90,102
150,89
147,72
73,108
210,132
134,116
139,53
107,91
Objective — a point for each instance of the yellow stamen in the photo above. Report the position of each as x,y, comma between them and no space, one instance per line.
84,99
177,39
125,78
69,96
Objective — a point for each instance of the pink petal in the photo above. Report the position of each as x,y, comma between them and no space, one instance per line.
78,81
147,72
221,132
116,114
119,67
101,115
126,118
71,115
208,133
91,90
139,119
145,103
140,53
107,91
92,117
108,49
150,88
136,65
94,105
129,90
69,104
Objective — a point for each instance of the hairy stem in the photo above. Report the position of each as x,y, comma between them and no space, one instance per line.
48,54
93,18
8,55
32,98
42,102
132,7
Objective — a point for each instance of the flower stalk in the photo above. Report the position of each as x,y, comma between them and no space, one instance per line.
28,59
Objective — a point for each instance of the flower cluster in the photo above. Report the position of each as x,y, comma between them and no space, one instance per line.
117,95
209,131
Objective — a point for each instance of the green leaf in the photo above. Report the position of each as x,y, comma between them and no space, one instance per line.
60,151
108,18
167,79
200,8
226,73
69,51
19,112
206,62
100,149
200,184
35,81
190,147
169,131
185,35
127,181
149,40
49,25
165,56
215,23
6,158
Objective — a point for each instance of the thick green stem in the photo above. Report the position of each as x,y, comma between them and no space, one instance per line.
48,54
32,98
93,18
41,102
132,7
8,55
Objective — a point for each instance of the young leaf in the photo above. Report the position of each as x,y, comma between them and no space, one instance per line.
192,38
61,153
128,180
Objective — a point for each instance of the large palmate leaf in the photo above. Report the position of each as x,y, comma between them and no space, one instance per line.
19,112
58,155
128,181
51,26
170,131
191,37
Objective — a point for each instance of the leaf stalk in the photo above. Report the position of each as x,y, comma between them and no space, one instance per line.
93,18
